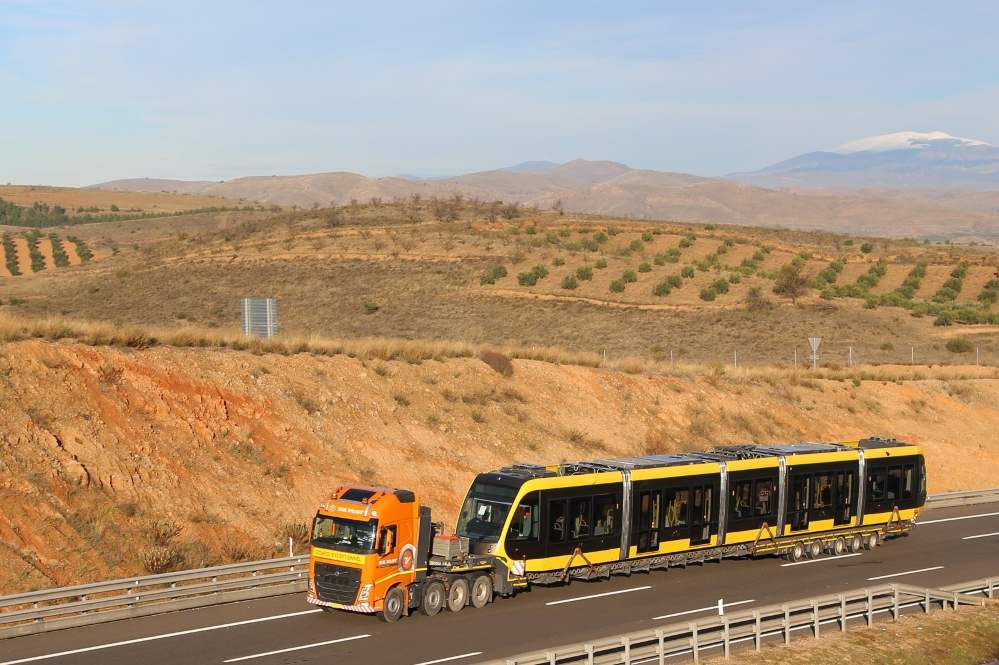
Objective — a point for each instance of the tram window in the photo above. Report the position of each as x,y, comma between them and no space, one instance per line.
764,494
742,499
908,481
877,481
844,488
649,511
526,523
579,518
605,515
702,504
893,489
556,522
676,507
822,495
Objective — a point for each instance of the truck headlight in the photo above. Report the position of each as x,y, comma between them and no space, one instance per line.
365,592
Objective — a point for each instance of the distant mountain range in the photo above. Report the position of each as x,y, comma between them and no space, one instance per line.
779,195
899,160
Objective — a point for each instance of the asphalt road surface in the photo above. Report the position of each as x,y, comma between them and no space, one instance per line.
949,545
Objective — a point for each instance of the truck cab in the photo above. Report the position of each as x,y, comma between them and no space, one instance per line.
368,546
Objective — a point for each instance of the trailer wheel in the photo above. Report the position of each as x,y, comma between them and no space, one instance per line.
856,543
797,552
394,605
872,541
482,591
457,595
815,549
433,599
839,546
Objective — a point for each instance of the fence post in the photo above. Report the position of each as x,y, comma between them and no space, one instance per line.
926,604
956,600
787,625
662,647
756,635
870,609
693,642
815,617
842,613
725,636
627,650
894,606
589,653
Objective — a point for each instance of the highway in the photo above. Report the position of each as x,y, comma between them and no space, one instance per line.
948,545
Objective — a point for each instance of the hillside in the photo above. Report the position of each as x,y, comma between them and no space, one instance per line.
116,460
610,188
585,283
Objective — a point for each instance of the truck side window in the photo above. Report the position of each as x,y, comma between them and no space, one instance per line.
386,540
526,522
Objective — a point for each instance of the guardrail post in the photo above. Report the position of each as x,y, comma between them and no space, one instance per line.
787,625
551,657
725,637
842,613
693,643
589,653
756,633
926,602
870,609
991,588
815,617
956,601
627,650
662,646
894,606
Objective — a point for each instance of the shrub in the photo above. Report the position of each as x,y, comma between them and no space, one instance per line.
756,301
867,248
569,282
500,363
687,272
791,282
617,286
551,238
647,236
540,270
494,273
531,230
613,230
527,279
674,281
59,255
708,294
960,345
371,308
887,346
162,532
734,278
37,260
81,249
720,285
585,273
558,261
600,264
661,289
600,237
629,276
659,259
158,560
564,233
644,266
10,252
687,241
635,245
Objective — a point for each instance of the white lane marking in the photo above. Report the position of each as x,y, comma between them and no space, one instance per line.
157,637
596,595
908,572
981,535
298,648
444,660
827,558
704,609
954,519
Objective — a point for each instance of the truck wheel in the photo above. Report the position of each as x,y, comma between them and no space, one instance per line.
797,552
394,606
433,599
856,543
839,546
482,591
872,541
814,549
457,595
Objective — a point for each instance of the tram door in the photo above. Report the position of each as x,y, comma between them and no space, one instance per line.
701,514
797,501
843,497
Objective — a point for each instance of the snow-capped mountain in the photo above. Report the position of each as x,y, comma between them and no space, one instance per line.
901,159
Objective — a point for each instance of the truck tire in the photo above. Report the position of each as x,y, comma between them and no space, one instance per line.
797,552
433,599
839,546
872,540
482,591
394,605
457,595
856,543
814,549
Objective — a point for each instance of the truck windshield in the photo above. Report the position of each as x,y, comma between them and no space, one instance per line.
484,511
342,534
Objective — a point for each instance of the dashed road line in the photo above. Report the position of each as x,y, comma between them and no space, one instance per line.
598,595
907,572
298,648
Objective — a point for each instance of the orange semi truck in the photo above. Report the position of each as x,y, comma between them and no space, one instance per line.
377,550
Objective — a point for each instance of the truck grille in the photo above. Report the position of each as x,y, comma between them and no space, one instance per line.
337,584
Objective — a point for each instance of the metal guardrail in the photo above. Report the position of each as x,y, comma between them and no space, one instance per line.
689,640
949,499
85,604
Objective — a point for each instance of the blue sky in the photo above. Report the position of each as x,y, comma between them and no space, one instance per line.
91,91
